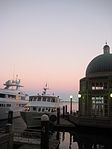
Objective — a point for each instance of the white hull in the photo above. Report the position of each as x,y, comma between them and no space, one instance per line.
33,119
4,115
15,107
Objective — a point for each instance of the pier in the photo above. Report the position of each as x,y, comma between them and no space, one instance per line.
28,138
6,137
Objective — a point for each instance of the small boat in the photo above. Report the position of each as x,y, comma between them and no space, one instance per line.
39,105
12,99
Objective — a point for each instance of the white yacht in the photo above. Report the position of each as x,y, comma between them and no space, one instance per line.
39,105
11,99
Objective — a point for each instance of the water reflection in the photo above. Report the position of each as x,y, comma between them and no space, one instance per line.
76,140
66,141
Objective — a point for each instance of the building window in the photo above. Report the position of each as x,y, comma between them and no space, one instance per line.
97,86
98,106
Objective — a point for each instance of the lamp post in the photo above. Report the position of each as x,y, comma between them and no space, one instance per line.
111,95
71,104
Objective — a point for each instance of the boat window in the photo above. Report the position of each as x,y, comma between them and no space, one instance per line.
49,110
39,98
53,100
35,98
2,105
2,95
8,105
44,98
43,110
22,98
30,99
39,109
34,108
48,99
11,96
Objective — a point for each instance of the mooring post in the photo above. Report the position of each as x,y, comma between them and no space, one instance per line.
63,136
44,132
58,116
10,117
63,111
58,138
70,140
66,109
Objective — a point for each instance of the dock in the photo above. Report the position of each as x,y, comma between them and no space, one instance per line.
18,136
64,124
6,137
29,140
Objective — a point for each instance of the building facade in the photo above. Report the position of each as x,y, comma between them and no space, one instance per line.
95,95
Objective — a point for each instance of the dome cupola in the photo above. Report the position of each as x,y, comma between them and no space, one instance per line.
106,49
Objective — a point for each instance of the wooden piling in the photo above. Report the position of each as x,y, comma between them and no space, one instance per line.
44,132
10,117
66,109
63,111
58,116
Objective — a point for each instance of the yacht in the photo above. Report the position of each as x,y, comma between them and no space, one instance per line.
11,99
38,105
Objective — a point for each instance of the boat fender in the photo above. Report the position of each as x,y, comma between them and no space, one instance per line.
53,118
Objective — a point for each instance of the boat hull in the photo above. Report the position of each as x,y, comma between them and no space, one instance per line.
14,106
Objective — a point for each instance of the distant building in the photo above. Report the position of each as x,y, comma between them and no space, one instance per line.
95,95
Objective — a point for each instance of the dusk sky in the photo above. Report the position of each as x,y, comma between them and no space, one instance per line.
52,41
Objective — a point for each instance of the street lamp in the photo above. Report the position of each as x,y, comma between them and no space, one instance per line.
71,104
111,95
79,95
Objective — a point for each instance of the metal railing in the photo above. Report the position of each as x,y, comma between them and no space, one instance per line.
27,137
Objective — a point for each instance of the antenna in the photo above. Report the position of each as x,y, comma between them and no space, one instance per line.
13,72
16,76
45,89
106,42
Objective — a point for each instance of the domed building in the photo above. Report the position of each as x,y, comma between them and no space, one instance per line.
95,95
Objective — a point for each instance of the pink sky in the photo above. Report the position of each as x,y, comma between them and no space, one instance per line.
52,41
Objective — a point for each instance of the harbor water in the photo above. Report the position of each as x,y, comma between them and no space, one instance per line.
84,141
76,140
72,139
74,106
66,141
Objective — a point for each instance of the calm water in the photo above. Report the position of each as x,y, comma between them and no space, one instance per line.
84,141
78,140
74,106
66,141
